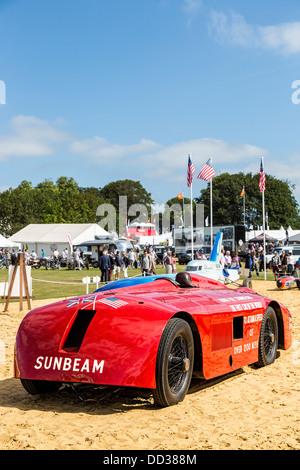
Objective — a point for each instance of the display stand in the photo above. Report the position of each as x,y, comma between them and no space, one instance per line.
23,283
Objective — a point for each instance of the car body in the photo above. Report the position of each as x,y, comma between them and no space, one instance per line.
212,267
133,281
154,335
213,270
288,282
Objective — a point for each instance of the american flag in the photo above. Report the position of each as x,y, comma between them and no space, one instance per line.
190,172
113,302
262,179
207,171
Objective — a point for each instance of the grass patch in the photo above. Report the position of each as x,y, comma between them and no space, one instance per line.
65,282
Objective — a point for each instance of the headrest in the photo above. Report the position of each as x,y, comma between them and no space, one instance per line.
184,279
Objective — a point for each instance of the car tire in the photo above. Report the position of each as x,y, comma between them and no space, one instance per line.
37,387
268,338
174,363
247,282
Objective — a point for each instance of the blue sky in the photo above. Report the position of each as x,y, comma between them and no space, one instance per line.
102,90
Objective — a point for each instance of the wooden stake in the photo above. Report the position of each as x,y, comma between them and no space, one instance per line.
23,279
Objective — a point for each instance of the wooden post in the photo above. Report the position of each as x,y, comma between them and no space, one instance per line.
23,279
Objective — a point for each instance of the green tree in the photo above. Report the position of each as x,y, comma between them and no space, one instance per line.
63,202
280,203
135,192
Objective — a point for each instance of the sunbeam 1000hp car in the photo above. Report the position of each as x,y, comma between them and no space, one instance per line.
154,335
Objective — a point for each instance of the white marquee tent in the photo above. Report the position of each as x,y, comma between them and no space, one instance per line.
49,237
5,243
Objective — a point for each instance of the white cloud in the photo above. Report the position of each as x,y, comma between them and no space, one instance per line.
191,7
233,29
30,137
172,161
169,162
284,38
100,149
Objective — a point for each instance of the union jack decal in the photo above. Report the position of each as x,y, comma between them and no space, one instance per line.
73,302
91,298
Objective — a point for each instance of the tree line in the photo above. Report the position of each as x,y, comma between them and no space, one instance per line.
64,201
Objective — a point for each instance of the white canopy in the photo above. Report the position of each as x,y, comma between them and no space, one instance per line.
4,243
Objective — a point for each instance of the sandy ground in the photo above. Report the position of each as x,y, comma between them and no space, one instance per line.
249,409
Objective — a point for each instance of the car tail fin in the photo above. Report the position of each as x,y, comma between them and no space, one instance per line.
216,251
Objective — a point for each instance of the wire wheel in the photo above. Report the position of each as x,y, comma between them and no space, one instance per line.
178,364
174,365
268,339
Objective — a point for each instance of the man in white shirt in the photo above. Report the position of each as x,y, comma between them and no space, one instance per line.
290,263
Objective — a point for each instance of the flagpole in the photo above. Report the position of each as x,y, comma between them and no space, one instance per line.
192,230
264,225
207,173
244,209
211,218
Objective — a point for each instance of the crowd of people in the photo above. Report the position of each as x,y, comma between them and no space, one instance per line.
280,264
112,264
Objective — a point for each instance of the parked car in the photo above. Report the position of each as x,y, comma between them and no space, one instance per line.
184,258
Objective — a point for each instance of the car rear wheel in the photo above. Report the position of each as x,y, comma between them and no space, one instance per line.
268,338
37,387
174,364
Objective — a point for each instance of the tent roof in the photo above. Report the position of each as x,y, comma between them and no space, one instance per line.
295,238
5,243
260,238
54,232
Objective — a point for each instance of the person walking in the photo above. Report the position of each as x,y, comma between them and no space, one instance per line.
275,264
125,264
112,263
174,267
76,259
145,263
290,263
104,265
117,266
168,262
283,262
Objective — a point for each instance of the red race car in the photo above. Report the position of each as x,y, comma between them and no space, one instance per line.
154,335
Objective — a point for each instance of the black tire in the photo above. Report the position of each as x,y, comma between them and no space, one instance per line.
247,282
174,363
37,387
268,339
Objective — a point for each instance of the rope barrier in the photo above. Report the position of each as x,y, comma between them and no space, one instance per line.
58,282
